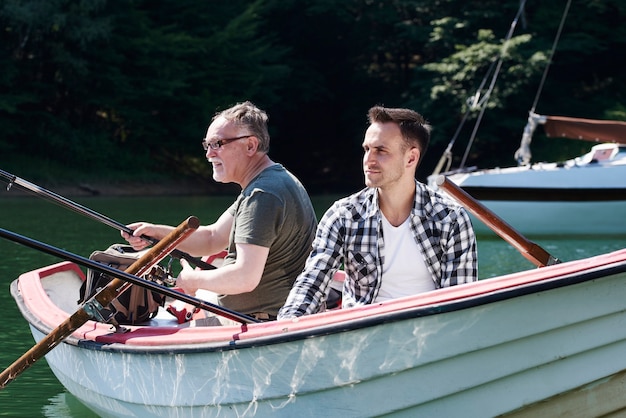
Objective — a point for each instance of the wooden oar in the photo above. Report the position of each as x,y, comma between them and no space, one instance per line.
66,203
531,251
113,272
100,300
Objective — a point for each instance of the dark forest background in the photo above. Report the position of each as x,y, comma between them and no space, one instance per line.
97,90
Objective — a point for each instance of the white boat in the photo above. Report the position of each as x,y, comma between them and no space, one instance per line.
544,342
584,195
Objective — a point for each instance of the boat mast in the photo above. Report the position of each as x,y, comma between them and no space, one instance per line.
476,101
523,154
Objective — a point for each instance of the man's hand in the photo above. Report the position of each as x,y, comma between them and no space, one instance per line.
139,229
184,279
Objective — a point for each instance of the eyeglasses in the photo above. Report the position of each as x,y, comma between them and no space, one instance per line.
220,143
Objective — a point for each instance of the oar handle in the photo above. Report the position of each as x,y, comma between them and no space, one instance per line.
103,297
76,207
531,251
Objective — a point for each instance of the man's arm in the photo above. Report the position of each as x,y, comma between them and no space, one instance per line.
206,240
309,290
240,277
461,264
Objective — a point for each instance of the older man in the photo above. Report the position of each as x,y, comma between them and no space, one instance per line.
267,231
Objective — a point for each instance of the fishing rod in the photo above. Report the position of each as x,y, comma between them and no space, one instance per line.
103,297
76,207
119,274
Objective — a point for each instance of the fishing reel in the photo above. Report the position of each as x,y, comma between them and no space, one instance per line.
161,276
122,310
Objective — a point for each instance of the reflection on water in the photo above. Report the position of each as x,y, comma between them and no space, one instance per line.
37,392
66,405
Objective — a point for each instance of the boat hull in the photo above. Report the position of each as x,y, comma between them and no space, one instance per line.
550,199
494,347
533,218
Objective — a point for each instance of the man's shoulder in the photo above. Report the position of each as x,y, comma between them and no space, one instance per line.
277,187
274,179
272,172
355,204
436,204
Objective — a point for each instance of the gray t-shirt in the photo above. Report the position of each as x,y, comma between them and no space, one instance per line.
273,211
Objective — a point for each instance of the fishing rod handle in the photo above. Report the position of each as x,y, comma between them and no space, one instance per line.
165,246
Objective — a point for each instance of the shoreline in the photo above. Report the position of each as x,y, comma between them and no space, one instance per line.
94,189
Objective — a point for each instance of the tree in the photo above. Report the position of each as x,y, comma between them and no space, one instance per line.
122,88
114,85
449,82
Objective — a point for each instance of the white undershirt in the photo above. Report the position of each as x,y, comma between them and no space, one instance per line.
404,270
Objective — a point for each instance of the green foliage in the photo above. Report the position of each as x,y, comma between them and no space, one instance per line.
447,87
95,88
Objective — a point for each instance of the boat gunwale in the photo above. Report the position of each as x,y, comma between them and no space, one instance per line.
277,332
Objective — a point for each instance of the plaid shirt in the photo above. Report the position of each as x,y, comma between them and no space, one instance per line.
349,235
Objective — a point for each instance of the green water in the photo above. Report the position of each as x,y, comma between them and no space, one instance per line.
36,392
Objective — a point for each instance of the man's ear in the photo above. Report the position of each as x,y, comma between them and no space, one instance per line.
414,157
252,145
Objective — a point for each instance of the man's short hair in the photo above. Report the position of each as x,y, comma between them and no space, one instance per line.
247,115
414,128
